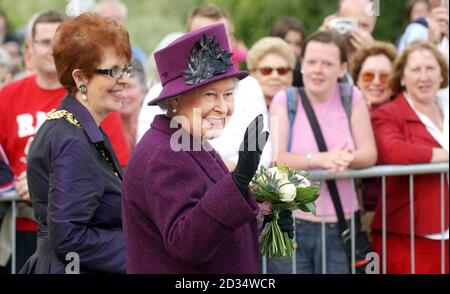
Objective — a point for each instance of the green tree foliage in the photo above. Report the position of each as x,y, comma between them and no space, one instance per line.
151,20
253,18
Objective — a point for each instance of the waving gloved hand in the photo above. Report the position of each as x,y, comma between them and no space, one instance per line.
285,221
250,153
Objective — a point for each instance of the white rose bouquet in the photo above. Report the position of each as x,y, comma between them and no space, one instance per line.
284,188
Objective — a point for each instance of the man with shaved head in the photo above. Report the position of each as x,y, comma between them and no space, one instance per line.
358,10
118,11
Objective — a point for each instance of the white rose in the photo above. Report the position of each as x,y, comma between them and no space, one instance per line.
288,192
303,182
279,175
259,180
271,171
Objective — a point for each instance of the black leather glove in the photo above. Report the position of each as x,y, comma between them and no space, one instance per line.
285,222
250,153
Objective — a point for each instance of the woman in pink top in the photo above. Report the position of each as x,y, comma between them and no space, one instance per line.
350,143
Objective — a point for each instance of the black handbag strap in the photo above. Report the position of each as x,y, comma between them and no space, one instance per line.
331,184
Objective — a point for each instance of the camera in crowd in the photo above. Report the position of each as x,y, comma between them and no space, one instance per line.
344,26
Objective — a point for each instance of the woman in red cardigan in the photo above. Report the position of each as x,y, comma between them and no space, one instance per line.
414,128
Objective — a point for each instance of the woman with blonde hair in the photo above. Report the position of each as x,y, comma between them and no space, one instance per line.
271,62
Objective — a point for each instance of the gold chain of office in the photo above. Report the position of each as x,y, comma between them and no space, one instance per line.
58,114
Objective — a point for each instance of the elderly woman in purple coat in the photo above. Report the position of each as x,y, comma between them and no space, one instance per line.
183,211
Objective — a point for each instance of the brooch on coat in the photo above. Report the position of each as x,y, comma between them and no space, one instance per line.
58,114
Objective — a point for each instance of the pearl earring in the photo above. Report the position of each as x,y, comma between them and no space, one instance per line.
83,91
174,110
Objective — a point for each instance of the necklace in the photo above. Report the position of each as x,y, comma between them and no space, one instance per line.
58,114
101,148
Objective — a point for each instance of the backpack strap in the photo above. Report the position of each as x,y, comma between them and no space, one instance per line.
422,21
291,96
346,91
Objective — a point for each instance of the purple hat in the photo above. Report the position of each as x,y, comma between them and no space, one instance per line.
195,59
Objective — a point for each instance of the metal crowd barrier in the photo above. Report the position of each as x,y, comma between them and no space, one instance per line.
375,171
383,171
13,198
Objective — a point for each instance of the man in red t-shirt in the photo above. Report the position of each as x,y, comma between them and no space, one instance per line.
23,107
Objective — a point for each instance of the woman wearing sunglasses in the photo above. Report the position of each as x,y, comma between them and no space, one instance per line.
270,62
73,174
370,68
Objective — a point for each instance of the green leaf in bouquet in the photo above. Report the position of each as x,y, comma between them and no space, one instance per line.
265,193
311,207
302,207
291,174
308,207
305,195
285,205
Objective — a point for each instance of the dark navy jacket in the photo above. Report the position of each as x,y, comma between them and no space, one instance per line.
6,175
76,197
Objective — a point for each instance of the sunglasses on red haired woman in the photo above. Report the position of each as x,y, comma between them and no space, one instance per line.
265,71
369,76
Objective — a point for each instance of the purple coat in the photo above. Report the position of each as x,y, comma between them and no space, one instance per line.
182,212
76,197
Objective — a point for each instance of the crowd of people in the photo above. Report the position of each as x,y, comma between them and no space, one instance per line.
142,164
